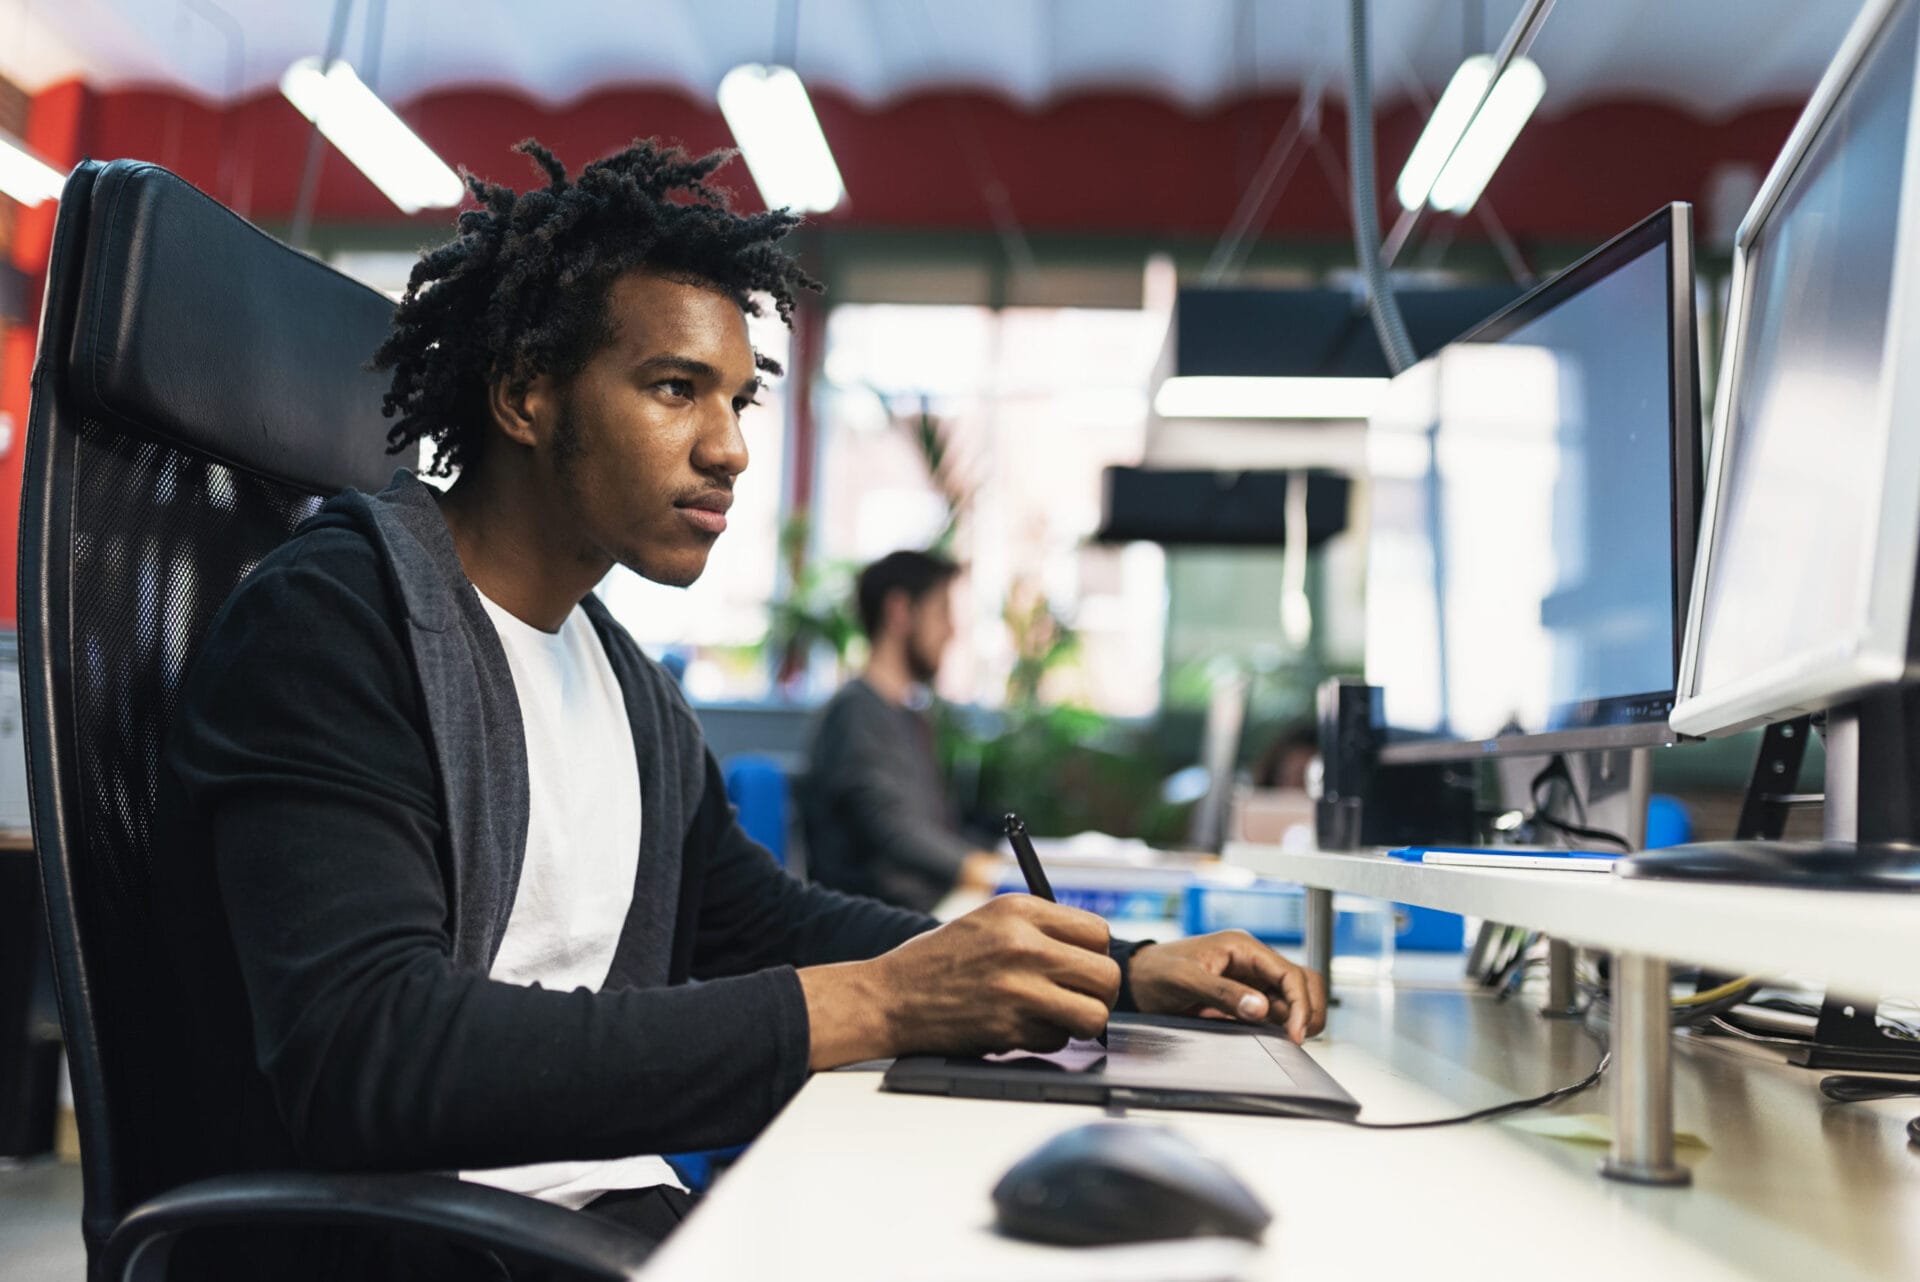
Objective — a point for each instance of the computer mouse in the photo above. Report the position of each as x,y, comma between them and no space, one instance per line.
1110,1182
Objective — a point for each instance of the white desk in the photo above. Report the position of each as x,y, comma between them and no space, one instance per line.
1860,942
853,1183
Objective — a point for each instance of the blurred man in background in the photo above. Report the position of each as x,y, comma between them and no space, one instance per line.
879,821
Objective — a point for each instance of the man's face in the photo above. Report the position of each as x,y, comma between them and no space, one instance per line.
929,629
645,441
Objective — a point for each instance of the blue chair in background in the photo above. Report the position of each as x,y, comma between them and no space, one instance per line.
1668,822
757,786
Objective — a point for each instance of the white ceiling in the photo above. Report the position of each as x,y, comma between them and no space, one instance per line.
1715,57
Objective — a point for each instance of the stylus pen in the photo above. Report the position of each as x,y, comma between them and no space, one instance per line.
1030,869
1029,860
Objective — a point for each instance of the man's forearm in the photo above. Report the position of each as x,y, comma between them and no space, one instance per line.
846,1015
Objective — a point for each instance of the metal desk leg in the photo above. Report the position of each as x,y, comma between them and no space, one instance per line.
1642,1075
1561,998
1319,931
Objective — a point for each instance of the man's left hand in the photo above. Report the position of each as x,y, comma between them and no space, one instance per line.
1229,974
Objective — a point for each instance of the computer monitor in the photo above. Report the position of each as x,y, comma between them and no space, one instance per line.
1804,594
1534,499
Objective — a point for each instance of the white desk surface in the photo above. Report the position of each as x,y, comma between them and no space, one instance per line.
1856,941
853,1183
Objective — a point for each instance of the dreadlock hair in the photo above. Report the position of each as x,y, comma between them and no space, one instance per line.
522,290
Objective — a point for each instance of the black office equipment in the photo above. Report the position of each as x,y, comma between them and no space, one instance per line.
1852,1090
199,390
1111,1182
1535,497
1254,332
1189,508
1148,1061
1365,803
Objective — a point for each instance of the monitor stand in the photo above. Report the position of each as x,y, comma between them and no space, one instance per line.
1872,816
1872,824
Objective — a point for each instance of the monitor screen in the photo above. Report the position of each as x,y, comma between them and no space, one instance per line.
1533,492
1798,555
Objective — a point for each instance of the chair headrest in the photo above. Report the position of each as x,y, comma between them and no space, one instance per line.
196,326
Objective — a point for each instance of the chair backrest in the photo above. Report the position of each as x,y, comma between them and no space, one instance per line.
199,389
757,786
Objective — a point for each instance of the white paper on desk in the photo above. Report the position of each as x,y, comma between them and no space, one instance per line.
1077,1056
1096,848
1198,1259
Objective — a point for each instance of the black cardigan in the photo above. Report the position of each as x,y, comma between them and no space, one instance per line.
341,818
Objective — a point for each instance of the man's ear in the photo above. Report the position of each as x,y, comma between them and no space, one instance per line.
524,416
896,613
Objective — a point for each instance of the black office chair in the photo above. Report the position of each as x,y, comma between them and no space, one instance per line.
200,389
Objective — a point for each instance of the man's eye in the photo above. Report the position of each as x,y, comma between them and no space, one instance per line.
681,387
740,403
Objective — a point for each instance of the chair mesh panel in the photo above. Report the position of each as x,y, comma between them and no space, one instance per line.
161,538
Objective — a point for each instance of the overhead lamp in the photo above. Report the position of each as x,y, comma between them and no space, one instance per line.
24,176
773,121
1484,144
1460,148
1220,396
367,132
1450,118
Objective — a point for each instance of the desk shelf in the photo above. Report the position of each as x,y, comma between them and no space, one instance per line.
1863,944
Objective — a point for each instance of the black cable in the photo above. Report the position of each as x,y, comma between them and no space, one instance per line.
1497,1110
1684,1016
1583,833
1556,768
1747,1034
1850,1088
1276,1108
1504,977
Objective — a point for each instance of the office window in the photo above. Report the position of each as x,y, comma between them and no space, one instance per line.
1029,404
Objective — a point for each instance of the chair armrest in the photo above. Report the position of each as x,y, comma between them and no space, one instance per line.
476,1214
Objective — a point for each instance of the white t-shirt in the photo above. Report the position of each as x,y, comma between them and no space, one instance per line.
583,848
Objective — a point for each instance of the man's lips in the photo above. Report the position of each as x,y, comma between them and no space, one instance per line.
708,512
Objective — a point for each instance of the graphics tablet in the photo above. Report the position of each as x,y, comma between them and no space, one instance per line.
1149,1061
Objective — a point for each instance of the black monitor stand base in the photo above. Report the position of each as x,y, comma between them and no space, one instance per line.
1872,750
1885,735
1806,865
1849,1038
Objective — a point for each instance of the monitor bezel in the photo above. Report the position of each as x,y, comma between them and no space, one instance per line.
1877,650
1671,226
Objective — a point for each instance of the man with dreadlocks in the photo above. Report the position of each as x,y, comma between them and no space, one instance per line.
446,847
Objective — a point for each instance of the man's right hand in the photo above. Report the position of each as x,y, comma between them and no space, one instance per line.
1017,973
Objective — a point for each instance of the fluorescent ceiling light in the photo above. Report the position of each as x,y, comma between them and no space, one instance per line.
1205,396
1450,118
1484,145
368,133
772,119
24,176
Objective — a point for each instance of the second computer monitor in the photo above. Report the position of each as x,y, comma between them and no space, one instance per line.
1806,590
1535,495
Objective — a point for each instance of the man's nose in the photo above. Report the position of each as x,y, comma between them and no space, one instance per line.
722,446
